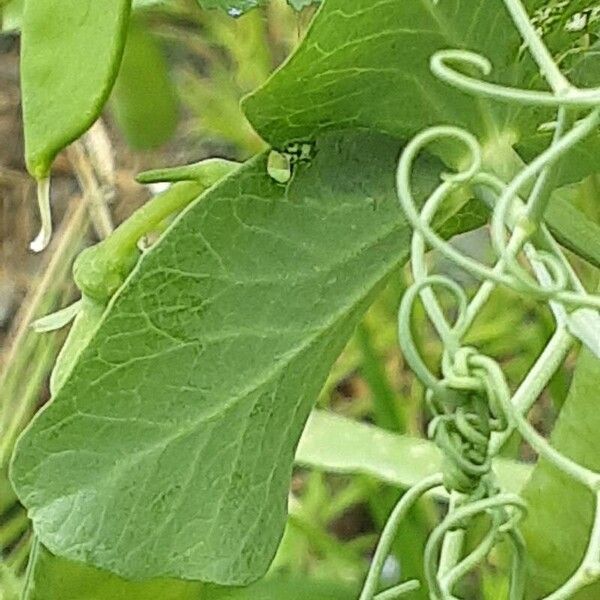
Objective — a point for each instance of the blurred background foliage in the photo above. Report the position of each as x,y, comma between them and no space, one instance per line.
176,100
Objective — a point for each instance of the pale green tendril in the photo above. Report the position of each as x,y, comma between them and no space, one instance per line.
44,236
474,411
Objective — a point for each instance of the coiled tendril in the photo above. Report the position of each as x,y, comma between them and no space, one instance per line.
474,411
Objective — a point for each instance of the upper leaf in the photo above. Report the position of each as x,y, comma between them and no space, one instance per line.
366,64
168,450
70,56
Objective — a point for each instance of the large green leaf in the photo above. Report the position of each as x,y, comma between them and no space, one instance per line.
366,64
70,56
560,514
168,450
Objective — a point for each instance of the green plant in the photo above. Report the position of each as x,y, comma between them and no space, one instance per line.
186,381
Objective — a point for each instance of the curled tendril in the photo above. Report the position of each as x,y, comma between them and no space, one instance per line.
507,271
451,332
473,410
506,511
439,64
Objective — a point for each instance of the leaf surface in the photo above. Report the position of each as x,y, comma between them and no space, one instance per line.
168,450
54,578
366,64
70,56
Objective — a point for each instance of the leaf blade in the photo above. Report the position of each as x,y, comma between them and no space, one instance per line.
360,54
74,48
278,277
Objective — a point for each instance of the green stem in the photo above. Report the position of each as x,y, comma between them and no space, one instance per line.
147,218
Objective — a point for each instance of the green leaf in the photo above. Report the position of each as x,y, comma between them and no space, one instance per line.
584,158
560,513
187,405
12,13
70,56
144,101
55,578
366,64
335,444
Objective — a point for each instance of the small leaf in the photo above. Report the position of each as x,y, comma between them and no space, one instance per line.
189,401
144,100
70,56
57,320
